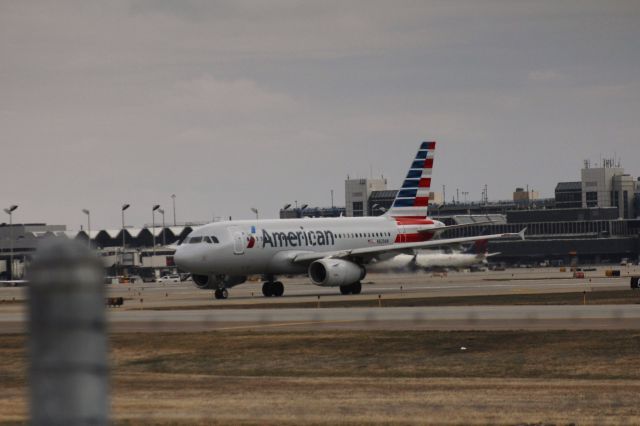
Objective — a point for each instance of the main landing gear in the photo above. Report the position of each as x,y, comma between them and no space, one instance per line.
354,288
272,288
221,293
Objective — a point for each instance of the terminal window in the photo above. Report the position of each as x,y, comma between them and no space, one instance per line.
592,199
358,208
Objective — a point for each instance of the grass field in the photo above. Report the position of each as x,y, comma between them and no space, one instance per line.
361,377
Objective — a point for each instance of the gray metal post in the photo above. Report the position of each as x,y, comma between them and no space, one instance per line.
164,236
173,198
124,207
67,337
153,226
153,229
11,245
10,211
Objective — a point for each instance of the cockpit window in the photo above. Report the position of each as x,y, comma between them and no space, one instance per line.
214,239
207,240
195,240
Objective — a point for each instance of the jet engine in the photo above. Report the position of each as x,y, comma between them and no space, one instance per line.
203,282
335,272
206,282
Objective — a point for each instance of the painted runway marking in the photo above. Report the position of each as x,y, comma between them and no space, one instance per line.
286,324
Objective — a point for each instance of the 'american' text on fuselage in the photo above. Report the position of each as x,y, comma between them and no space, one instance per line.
297,238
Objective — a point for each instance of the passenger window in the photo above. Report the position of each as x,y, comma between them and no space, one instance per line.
215,239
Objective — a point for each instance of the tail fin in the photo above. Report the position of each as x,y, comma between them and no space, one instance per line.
480,247
413,198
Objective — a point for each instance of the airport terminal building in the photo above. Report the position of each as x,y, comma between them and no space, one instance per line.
596,219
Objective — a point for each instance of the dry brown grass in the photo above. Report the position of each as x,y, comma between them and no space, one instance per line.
350,377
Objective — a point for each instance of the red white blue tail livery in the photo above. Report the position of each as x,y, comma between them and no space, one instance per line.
412,200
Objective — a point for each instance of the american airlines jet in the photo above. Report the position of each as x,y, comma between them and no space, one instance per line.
334,252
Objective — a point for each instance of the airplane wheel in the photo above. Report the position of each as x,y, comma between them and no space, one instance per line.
267,289
218,294
356,288
278,289
345,289
224,293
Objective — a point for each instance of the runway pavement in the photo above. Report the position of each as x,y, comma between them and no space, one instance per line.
392,285
429,318
137,314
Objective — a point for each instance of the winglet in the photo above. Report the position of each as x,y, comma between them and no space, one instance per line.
521,234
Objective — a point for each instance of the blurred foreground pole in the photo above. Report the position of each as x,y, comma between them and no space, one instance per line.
67,342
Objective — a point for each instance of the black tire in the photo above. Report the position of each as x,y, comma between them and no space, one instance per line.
267,289
278,289
356,288
345,289
217,294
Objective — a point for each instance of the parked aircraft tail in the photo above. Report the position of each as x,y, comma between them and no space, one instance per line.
480,248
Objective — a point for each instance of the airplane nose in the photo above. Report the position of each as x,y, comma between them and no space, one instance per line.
179,259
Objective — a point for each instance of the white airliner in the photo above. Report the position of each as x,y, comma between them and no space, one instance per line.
334,252
428,260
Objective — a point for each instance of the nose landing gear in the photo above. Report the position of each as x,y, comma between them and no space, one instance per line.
271,288
221,293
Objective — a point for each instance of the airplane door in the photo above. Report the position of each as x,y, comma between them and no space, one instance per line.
238,240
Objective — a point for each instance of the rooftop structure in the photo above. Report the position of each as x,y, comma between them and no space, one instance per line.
357,193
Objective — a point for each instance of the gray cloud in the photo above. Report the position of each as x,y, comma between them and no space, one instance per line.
238,104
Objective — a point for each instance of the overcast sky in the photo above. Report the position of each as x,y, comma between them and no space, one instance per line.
238,104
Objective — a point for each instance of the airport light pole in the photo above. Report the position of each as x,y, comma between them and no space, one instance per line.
124,207
255,211
153,234
173,199
164,236
88,213
10,211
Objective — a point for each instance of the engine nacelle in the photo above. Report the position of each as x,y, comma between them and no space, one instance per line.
335,272
206,282
203,282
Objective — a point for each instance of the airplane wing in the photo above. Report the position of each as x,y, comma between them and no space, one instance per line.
389,248
446,228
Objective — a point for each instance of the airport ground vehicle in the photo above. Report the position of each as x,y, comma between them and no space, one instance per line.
173,278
